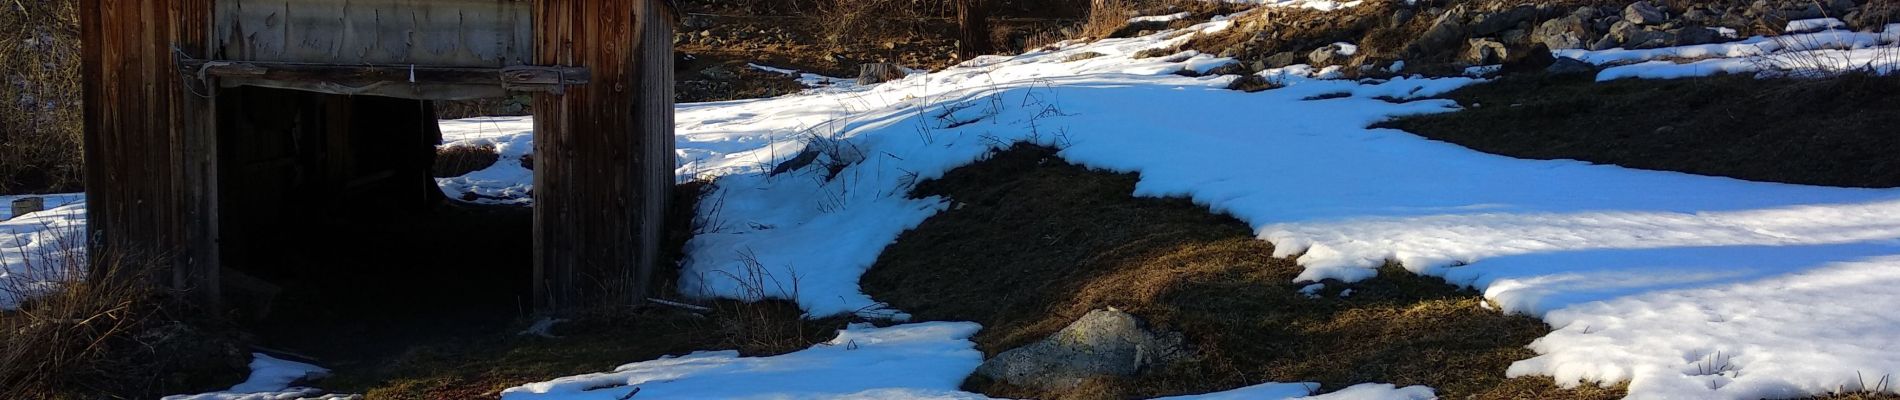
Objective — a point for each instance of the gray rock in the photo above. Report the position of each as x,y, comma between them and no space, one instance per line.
1644,13
718,74
1489,23
1695,35
1282,59
1401,17
1104,343
1698,15
1442,38
1650,39
1798,11
1331,54
1841,7
1515,38
1605,43
1567,65
1485,52
1562,33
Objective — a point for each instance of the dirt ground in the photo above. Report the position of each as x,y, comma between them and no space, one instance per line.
1035,242
1835,131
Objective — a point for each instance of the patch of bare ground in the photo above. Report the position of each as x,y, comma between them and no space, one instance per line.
1835,131
1033,242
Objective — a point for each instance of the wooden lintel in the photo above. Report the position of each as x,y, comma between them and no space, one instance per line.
412,81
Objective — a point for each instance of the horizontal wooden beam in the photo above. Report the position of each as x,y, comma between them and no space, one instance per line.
405,81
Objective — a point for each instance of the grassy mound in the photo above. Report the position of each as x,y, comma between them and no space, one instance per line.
1836,131
1033,243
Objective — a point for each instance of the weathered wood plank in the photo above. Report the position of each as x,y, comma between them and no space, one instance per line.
603,152
401,81
469,33
149,177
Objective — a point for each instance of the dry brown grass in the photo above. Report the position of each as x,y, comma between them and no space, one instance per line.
1834,131
40,127
855,21
455,161
108,337
1035,242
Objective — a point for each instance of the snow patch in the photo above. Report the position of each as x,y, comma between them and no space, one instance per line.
271,379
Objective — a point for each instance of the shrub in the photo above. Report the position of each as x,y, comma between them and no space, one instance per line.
40,125
113,335
456,161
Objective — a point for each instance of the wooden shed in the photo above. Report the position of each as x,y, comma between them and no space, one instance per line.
205,118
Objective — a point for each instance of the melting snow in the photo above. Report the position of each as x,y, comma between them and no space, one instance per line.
270,380
1685,286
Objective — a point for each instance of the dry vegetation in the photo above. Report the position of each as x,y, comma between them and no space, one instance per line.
453,161
1835,132
40,138
1035,242
113,336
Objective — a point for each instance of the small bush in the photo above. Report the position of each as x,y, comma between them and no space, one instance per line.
111,336
456,161
867,21
41,132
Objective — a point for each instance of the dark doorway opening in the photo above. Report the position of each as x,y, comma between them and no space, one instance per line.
336,241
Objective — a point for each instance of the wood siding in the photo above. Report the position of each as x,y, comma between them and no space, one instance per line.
458,33
151,174
603,152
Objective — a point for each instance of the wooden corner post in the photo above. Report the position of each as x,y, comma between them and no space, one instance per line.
603,153
150,143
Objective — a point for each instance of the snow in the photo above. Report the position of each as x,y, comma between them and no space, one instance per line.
1543,237
1618,259
1822,330
1684,286
506,182
36,249
52,201
1816,24
271,379
1160,18
1800,54
809,80
915,361
1321,5
926,361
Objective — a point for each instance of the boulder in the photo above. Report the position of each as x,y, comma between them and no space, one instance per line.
1569,32
717,73
1644,13
1104,343
1485,24
1281,59
1332,54
1443,37
1695,35
1652,38
1567,65
875,73
1605,43
1840,7
1485,52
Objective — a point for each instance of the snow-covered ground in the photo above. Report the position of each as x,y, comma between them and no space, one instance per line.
914,361
506,182
1651,277
1824,46
33,247
1684,286
271,379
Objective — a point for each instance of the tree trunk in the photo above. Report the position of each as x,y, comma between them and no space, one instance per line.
973,29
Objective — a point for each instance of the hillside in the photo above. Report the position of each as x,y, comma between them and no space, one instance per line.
1496,199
